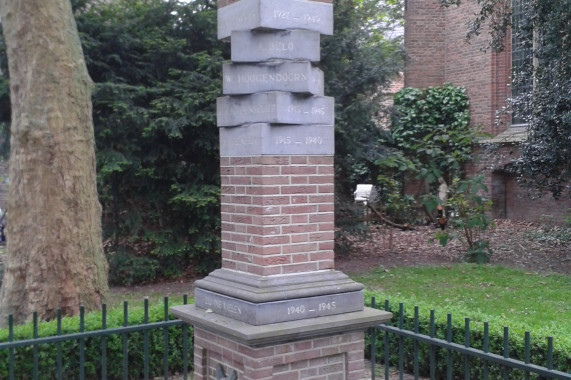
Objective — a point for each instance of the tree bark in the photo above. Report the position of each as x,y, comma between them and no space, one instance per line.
54,250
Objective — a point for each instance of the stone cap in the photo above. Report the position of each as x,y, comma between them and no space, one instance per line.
257,289
275,15
223,3
277,333
513,134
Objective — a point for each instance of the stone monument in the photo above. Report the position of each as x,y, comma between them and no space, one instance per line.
277,309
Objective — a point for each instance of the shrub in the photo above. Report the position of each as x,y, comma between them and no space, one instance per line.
470,206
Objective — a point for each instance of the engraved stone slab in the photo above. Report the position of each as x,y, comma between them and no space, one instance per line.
267,139
259,46
250,78
276,108
275,14
279,311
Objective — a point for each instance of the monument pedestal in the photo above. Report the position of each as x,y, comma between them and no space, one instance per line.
277,309
326,348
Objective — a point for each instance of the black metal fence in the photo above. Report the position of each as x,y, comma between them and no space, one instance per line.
409,351
151,344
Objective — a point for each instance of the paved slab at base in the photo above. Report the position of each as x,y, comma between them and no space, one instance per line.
267,139
275,14
276,333
260,46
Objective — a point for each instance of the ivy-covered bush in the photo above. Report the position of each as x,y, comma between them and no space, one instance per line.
431,128
538,341
47,353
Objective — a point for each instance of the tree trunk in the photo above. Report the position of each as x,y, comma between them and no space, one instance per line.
54,251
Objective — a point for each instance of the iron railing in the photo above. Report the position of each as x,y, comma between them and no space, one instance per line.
159,346
475,363
99,353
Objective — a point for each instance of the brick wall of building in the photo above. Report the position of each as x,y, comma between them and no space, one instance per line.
438,53
277,214
511,201
435,42
424,34
327,358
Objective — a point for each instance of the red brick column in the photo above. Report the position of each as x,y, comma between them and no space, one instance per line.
277,214
325,358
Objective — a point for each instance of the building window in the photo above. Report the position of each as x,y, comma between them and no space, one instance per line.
521,64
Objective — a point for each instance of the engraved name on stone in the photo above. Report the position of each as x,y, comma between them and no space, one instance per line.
262,138
260,46
220,305
279,311
275,14
298,77
274,107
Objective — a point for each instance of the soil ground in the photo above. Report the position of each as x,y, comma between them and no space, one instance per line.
532,246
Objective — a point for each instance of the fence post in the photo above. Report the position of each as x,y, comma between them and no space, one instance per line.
386,344
104,342
486,349
58,354
432,352
448,351
466,344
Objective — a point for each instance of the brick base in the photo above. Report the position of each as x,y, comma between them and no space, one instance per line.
324,358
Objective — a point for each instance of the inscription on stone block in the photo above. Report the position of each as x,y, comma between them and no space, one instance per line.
298,77
267,139
279,311
274,107
275,14
260,46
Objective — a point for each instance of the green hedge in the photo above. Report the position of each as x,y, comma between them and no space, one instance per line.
70,349
538,340
92,321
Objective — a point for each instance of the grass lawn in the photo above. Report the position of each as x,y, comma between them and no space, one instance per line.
531,299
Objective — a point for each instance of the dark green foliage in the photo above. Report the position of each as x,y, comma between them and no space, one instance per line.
538,345
157,71
47,353
545,160
156,65
544,30
431,128
359,61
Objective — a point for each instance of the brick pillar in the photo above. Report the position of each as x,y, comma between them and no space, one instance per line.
277,309
331,357
277,214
